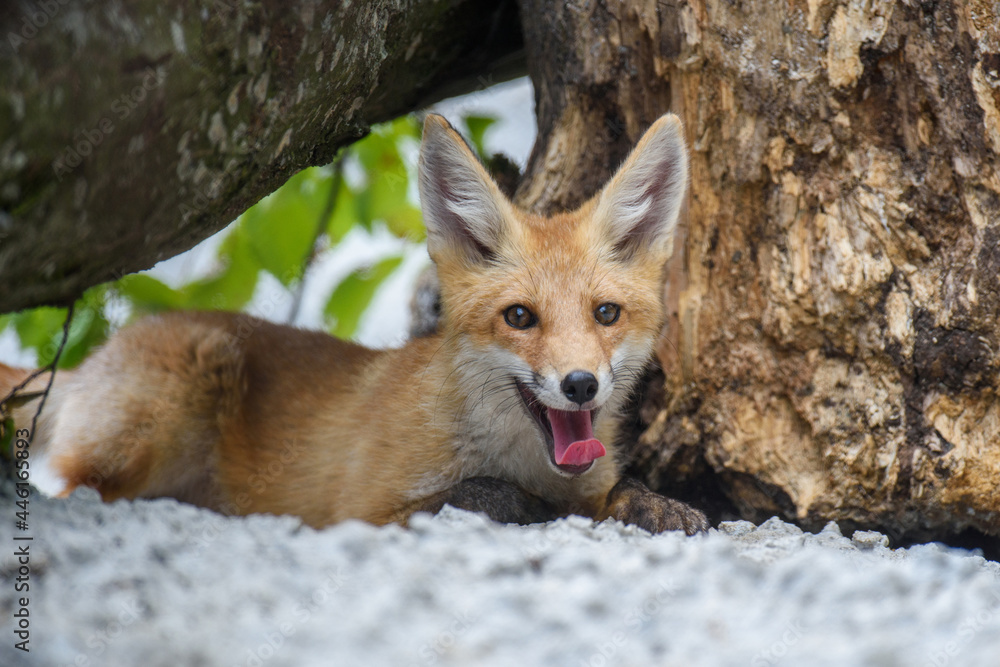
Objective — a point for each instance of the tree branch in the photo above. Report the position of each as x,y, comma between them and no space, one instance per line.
129,132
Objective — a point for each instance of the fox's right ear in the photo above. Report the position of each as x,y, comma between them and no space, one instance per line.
638,208
463,208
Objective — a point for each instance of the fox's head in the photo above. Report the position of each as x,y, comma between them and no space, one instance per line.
554,318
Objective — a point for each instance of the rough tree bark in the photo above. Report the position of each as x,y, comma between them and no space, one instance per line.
832,353
130,131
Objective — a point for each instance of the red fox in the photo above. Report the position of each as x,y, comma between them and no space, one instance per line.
512,409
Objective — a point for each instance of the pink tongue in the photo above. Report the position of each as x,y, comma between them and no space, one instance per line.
573,434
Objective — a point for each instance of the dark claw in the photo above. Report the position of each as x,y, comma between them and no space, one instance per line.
631,502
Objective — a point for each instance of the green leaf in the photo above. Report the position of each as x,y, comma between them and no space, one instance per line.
388,202
281,227
477,126
148,294
347,303
36,329
408,126
232,287
344,216
389,178
42,329
88,329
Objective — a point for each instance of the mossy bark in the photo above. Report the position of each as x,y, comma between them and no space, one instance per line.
131,131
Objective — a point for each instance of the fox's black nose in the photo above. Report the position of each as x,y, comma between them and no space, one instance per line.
579,386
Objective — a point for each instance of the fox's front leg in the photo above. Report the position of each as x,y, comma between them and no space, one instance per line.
631,502
500,500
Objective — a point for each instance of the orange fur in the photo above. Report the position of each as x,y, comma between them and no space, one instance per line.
240,415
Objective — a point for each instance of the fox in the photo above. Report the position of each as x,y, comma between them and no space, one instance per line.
513,408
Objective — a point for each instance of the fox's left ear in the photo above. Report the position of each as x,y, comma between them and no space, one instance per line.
638,208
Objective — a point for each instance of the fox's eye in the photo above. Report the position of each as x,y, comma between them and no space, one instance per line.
607,313
520,317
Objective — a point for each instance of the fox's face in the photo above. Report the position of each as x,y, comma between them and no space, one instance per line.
554,318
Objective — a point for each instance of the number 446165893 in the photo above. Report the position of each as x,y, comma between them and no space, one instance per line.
21,463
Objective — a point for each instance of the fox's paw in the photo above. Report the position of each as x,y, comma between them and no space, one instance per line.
631,502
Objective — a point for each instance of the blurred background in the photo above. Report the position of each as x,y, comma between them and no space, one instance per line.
337,248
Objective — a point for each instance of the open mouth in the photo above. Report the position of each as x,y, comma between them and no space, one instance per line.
569,434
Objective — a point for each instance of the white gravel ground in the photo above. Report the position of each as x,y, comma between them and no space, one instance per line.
161,583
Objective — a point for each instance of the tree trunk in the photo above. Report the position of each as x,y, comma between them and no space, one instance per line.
131,131
831,353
